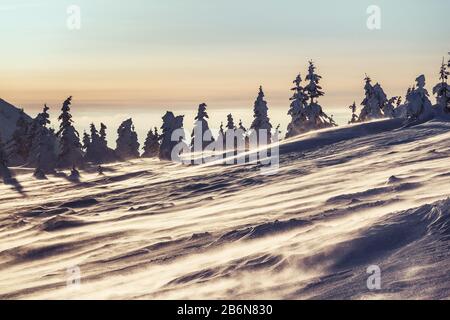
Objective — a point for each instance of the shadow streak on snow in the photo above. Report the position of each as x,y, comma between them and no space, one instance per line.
381,240
9,179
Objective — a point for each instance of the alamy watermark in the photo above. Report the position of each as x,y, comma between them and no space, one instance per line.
73,278
374,19
234,147
374,280
73,21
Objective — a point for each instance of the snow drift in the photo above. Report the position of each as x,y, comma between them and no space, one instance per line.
343,199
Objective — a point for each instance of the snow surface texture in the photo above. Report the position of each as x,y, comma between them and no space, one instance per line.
344,199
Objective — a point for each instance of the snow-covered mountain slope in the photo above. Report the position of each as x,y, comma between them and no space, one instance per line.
344,199
8,118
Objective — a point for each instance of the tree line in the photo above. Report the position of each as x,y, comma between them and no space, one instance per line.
34,144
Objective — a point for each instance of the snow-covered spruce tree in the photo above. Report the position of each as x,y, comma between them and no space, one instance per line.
170,124
70,153
221,141
354,118
297,109
401,111
418,106
374,101
151,145
86,141
95,151
201,136
313,89
127,142
43,155
230,133
108,154
316,118
102,134
242,137
442,90
389,108
18,148
261,126
230,123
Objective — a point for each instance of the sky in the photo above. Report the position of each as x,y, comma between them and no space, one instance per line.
148,56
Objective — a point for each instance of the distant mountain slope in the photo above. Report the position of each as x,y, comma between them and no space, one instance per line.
8,118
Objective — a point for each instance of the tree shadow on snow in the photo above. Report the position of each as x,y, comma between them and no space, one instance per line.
8,179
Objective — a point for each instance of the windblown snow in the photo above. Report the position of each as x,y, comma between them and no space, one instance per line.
344,199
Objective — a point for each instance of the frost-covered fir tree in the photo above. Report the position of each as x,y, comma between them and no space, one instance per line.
242,137
201,136
151,145
127,142
230,133
354,118
230,123
70,153
373,102
95,151
389,108
316,117
297,109
102,134
221,142
313,89
261,126
442,90
108,154
18,148
418,105
170,124
86,141
96,146
43,155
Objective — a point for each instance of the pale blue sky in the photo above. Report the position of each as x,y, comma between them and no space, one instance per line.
178,53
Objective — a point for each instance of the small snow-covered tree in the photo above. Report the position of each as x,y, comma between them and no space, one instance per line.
43,155
107,154
242,137
418,106
230,136
261,126
230,122
170,124
70,147
102,134
127,142
442,90
297,109
221,141
86,141
354,118
151,146
201,136
389,107
316,117
313,89
95,149
374,101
